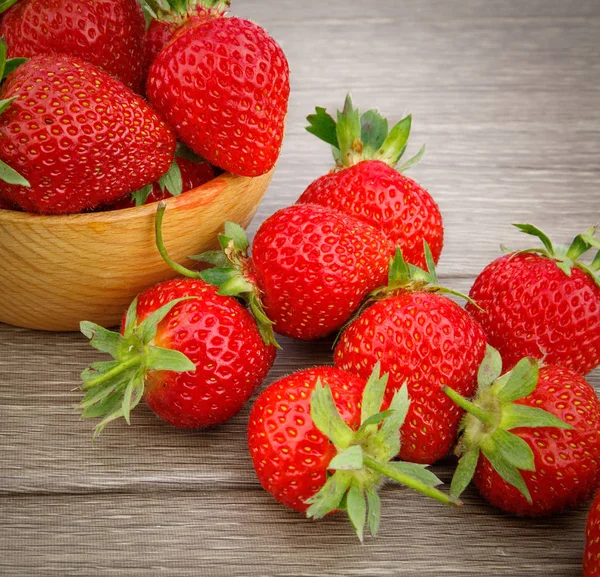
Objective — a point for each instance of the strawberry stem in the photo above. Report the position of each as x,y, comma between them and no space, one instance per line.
160,245
120,368
389,471
484,416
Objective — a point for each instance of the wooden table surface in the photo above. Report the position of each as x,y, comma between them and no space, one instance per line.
507,97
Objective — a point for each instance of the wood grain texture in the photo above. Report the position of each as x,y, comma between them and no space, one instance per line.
59,270
505,94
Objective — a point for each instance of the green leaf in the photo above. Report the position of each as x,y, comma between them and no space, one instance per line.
330,495
159,359
514,450
6,4
147,329
116,413
356,507
388,436
348,133
98,394
184,151
236,285
323,126
238,235
373,132
374,510
131,318
373,393
399,273
104,407
12,64
102,339
534,231
589,236
412,161
133,395
579,245
327,419
430,263
464,472
141,196
490,368
595,266
521,382
505,469
172,180
218,276
417,472
373,420
11,176
215,257
96,369
349,460
395,144
515,416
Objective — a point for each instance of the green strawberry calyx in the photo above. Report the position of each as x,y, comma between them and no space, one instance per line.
230,272
114,388
363,460
355,137
566,257
179,12
403,276
8,174
485,428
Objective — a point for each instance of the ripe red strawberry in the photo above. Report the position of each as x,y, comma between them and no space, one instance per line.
223,84
319,443
77,136
310,269
591,556
107,33
531,439
193,174
423,340
366,183
543,303
158,35
195,357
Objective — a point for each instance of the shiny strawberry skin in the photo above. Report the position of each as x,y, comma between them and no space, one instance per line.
382,197
426,341
591,556
107,33
193,175
79,136
290,455
314,267
218,335
224,86
532,308
567,462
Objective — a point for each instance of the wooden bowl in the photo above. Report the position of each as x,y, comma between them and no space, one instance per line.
56,271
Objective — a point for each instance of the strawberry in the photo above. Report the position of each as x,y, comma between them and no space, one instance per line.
423,340
158,35
223,84
192,174
591,556
543,303
319,443
72,137
366,183
309,270
107,33
531,438
193,355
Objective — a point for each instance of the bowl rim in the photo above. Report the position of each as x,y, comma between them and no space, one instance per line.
122,214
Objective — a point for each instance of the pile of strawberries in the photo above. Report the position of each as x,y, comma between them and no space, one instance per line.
76,133
415,375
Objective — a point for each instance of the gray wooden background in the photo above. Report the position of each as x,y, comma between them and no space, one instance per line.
506,94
